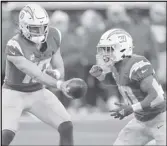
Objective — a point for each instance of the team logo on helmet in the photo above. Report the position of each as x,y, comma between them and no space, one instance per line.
27,9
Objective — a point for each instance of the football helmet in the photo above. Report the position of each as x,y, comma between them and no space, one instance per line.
33,23
114,45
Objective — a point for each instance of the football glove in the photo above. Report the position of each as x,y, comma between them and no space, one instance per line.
100,71
96,71
123,111
74,88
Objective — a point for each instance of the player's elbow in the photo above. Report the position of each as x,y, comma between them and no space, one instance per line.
153,94
148,100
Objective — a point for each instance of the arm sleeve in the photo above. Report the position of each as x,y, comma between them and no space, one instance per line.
140,70
13,48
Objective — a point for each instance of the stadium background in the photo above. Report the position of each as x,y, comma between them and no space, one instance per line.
82,24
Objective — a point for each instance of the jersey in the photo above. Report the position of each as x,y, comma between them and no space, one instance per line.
20,46
128,78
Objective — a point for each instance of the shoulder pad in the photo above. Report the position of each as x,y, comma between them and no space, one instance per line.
56,34
13,48
140,69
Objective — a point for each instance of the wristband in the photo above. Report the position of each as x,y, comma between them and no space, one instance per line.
137,107
59,82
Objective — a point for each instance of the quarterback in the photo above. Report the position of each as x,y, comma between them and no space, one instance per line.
136,80
34,62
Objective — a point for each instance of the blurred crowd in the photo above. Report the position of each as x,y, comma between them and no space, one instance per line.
81,31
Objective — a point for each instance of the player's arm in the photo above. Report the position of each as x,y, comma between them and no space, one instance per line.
155,94
32,70
57,63
147,87
144,75
105,77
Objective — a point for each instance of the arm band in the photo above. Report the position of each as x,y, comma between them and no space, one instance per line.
137,107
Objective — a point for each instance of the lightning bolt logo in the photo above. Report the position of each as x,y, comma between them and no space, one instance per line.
136,66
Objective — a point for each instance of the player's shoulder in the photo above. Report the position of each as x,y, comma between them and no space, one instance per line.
13,47
139,68
135,59
55,34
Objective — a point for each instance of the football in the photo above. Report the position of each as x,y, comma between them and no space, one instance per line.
77,88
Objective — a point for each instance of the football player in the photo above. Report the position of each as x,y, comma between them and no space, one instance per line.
137,82
34,61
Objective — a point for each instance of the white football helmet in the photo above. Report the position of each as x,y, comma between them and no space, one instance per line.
114,45
33,23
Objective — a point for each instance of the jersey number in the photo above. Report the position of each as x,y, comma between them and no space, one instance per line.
42,65
128,95
122,38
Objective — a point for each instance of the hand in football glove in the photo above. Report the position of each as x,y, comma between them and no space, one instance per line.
123,111
96,71
74,88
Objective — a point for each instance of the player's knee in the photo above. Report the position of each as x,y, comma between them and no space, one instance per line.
65,127
7,137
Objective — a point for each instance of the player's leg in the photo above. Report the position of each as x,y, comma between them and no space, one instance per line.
51,111
11,111
133,134
158,128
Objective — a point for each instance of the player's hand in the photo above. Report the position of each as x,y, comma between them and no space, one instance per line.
65,89
116,114
53,73
96,71
123,111
74,88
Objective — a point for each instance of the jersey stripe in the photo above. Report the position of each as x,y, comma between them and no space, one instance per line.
136,66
